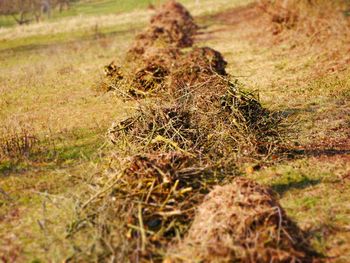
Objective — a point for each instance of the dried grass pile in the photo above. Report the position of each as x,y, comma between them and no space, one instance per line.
214,123
281,14
166,70
140,77
172,26
153,53
199,66
152,128
242,222
153,198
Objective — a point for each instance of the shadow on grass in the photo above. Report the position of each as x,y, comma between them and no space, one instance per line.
326,148
319,152
282,188
294,111
6,167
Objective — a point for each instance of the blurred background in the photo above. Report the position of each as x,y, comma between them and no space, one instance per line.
29,11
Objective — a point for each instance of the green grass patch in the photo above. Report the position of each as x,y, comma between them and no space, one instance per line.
40,41
6,21
100,7
97,7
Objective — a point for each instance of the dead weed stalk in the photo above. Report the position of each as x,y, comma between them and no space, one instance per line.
17,142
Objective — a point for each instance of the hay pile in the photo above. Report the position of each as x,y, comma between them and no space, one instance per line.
202,122
241,222
160,192
202,112
172,26
152,127
146,205
177,147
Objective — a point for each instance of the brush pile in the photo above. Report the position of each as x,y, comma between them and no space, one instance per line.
241,222
153,53
201,122
160,192
171,26
176,147
152,127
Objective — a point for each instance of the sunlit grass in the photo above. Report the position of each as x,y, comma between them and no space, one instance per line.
105,7
97,7
314,194
49,88
46,76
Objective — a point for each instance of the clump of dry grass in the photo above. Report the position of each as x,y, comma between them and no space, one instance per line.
162,190
153,199
153,53
157,127
165,70
172,25
242,222
196,67
138,78
17,142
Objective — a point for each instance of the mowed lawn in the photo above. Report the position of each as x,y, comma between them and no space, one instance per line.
48,78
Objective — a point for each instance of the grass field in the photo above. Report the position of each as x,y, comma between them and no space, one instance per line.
90,8
47,76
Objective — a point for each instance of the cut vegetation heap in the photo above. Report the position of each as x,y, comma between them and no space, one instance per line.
179,144
242,221
172,26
